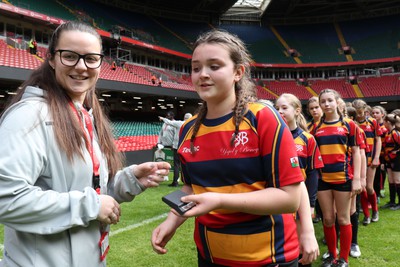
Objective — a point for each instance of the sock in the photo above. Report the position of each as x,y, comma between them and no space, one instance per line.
330,237
398,193
392,193
372,200
354,227
345,241
364,203
337,228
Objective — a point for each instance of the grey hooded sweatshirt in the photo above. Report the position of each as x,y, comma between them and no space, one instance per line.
47,203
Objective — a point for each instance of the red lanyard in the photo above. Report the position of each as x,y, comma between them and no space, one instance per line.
89,142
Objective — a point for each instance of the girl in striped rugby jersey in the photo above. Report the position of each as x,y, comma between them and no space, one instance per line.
337,140
289,106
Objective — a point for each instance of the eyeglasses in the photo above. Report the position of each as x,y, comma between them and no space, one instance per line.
71,58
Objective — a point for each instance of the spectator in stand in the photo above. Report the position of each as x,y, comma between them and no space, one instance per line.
113,65
153,79
392,155
61,180
337,138
177,163
34,47
31,45
160,81
235,152
379,113
289,106
373,133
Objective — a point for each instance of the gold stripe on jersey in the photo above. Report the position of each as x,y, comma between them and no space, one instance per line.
332,149
240,247
334,177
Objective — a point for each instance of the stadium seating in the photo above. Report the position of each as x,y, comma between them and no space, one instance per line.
52,8
135,135
340,85
373,38
315,43
281,87
380,86
17,58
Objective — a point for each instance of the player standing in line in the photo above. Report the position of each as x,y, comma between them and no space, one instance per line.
337,140
355,251
373,132
391,149
379,113
315,111
310,160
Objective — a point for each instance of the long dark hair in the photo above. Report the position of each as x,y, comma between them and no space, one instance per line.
69,135
244,89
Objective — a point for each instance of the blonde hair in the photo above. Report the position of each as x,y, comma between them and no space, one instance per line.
381,109
359,104
296,104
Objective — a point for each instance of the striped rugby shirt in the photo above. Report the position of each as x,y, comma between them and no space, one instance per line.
263,156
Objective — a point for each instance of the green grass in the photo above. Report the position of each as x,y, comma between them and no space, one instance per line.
379,242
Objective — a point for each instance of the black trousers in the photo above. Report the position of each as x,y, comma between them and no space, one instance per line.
177,165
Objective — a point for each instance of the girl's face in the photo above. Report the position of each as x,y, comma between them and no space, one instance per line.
360,114
377,114
79,79
328,104
214,74
287,111
387,124
315,110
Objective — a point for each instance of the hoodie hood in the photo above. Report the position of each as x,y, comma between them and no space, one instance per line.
32,91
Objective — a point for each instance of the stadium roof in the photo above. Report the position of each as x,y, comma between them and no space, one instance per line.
268,11
311,11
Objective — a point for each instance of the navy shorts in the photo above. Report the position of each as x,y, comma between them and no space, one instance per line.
344,187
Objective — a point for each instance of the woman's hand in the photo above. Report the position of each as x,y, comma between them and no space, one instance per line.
110,210
151,174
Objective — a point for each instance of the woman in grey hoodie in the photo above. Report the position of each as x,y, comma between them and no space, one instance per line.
61,176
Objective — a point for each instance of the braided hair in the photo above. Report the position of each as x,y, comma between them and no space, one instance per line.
245,91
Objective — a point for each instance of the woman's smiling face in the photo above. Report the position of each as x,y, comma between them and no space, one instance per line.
79,79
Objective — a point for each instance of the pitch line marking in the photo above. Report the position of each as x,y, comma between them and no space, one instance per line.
136,225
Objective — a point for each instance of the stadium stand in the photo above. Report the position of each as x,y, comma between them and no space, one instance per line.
135,135
341,85
380,86
373,38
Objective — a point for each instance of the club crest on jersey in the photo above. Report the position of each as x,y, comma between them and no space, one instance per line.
299,148
294,161
241,139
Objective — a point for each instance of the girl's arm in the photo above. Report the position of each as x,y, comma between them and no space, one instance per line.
378,147
356,184
308,242
166,230
267,201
